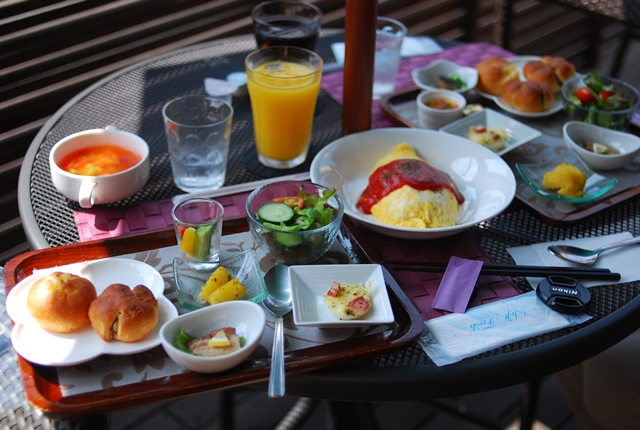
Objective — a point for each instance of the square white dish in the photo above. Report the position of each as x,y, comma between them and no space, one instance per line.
309,283
517,133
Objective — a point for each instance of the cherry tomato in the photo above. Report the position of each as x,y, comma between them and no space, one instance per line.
291,201
604,95
585,96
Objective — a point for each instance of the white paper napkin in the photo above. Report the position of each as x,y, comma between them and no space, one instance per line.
621,260
411,47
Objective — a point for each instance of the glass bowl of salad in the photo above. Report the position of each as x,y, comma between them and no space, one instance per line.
295,222
600,100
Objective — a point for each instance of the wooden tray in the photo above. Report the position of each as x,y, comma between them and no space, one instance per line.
401,109
41,385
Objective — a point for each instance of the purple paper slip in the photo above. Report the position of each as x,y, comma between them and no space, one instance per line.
457,285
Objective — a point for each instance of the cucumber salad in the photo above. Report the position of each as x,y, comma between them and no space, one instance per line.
296,213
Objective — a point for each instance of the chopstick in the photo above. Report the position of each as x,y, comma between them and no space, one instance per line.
512,270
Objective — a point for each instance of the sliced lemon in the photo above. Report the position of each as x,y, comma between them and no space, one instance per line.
220,339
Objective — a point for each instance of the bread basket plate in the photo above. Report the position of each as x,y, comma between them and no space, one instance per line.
57,349
519,62
309,283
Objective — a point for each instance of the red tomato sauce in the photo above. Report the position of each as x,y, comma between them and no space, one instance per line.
99,160
417,174
442,104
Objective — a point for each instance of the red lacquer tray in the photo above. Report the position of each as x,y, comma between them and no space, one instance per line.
41,384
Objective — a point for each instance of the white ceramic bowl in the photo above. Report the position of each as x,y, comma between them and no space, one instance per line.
486,180
427,77
96,190
628,145
247,317
434,118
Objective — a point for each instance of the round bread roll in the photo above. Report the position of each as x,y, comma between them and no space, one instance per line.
528,96
542,72
494,73
60,301
561,67
120,313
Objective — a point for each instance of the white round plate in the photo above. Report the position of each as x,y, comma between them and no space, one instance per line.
519,62
57,349
485,179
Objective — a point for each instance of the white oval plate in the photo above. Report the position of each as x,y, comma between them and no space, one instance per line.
519,62
486,180
56,349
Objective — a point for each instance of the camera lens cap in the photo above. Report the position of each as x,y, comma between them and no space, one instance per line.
563,294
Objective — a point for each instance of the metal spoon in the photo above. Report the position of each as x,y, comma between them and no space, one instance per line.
278,302
586,256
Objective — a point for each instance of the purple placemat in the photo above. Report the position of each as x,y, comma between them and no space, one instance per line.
94,224
100,223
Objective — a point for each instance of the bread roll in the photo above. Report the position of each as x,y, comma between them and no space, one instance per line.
542,72
60,301
528,96
562,68
494,73
120,313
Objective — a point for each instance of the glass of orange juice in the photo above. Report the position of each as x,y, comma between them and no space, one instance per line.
283,84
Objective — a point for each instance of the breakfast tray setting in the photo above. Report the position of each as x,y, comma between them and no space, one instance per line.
111,382
150,376
401,109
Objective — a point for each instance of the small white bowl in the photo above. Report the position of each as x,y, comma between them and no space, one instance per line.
97,190
247,317
427,77
628,145
433,118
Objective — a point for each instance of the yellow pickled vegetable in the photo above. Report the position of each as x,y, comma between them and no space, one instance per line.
232,290
188,240
218,278
567,179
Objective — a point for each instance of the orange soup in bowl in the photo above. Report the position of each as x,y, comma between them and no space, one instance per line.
442,103
99,160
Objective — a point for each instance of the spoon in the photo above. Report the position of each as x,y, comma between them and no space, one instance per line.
278,302
586,256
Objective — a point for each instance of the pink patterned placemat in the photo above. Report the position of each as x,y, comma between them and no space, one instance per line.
101,223
94,224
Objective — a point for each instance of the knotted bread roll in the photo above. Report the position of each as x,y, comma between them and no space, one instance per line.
528,96
494,73
120,313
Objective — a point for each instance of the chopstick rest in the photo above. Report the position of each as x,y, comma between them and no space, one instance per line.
457,285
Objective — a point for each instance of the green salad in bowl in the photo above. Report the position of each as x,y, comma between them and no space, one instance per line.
600,100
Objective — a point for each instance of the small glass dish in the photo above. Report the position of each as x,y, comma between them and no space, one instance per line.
190,277
596,186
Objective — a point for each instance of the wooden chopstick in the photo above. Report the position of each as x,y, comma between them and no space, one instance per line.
513,270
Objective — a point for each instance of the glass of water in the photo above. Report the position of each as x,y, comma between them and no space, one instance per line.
198,130
389,36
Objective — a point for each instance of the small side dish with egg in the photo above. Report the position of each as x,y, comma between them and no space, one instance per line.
494,138
566,179
404,190
348,301
442,104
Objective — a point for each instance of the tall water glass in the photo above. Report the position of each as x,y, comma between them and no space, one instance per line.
291,23
198,130
389,36
283,84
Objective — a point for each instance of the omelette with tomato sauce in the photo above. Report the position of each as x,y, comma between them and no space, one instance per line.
406,191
